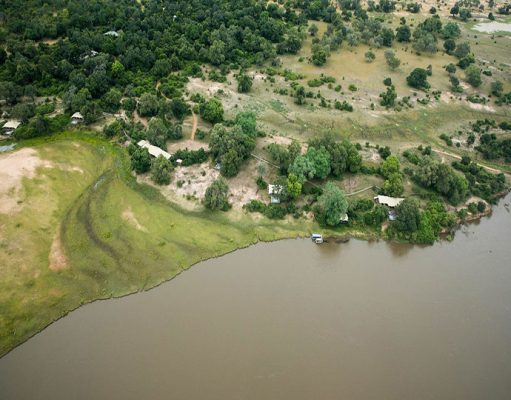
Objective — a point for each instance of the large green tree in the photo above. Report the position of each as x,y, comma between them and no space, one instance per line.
331,205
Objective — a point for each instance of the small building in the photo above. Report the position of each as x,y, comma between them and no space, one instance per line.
275,191
77,118
111,33
344,219
391,202
10,126
153,150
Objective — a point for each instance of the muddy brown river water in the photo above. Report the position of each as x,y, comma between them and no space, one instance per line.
293,320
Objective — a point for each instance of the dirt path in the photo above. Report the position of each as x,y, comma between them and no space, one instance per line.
194,125
490,169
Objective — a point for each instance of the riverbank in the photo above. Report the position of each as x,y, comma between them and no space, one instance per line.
81,228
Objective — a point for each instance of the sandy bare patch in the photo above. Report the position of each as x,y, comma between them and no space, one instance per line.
57,258
129,217
491,27
13,168
190,144
481,107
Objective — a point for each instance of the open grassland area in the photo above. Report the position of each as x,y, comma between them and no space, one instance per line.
83,229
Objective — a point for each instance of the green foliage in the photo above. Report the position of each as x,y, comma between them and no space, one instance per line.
418,79
284,156
320,54
403,33
189,157
392,61
148,105
246,120
393,186
140,159
442,179
294,186
230,148
390,166
473,76
160,170
244,83
389,97
216,196
408,216
331,205
212,111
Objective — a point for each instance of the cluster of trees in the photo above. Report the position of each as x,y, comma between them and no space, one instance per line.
493,148
217,196
390,169
442,179
481,182
141,162
420,226
231,146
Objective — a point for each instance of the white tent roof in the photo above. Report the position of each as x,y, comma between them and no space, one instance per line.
77,115
12,124
153,150
389,201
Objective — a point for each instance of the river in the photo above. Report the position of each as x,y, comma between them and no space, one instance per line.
293,320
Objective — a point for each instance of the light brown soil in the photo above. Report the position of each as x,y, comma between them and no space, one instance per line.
194,126
57,258
13,168
130,217
172,147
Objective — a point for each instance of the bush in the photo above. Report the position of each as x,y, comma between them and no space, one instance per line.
216,194
160,170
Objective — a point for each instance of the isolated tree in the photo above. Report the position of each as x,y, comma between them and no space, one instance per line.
450,68
462,50
320,54
418,79
244,83
212,111
313,30
473,76
331,205
496,88
392,61
451,30
160,170
369,56
216,196
389,97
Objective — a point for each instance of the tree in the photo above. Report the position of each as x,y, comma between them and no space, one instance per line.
179,108
403,33
313,30
216,196
408,216
212,111
473,76
424,42
450,68
112,100
449,45
418,79
369,56
148,105
140,159
246,120
331,205
321,160
390,166
320,54
465,14
451,30
462,50
244,83
160,170
157,133
496,88
393,186
294,186
113,129
392,61
388,98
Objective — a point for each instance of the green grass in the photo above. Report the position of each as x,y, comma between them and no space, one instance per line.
107,255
